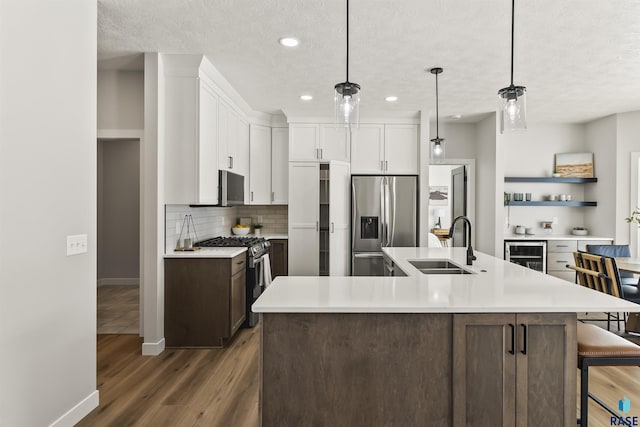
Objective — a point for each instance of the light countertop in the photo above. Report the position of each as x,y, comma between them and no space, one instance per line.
552,237
275,236
207,253
496,287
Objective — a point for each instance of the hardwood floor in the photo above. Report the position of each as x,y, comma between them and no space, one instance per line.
219,387
118,309
180,387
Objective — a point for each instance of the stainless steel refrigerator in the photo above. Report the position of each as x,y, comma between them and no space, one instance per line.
384,212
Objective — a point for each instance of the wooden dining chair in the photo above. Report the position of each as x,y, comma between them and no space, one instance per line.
599,273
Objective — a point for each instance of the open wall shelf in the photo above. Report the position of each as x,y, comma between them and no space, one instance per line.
552,203
549,179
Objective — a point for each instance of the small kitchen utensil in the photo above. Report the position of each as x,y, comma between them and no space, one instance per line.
520,229
530,230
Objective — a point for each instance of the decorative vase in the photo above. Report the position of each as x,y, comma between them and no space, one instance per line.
257,231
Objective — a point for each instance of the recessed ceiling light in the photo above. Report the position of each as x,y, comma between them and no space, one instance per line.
391,98
456,116
289,42
306,97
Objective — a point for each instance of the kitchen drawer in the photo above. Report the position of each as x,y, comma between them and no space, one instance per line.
559,261
562,246
569,276
238,263
582,244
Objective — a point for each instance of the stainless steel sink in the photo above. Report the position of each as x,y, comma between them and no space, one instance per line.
439,266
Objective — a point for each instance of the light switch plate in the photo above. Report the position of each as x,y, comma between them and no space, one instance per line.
76,244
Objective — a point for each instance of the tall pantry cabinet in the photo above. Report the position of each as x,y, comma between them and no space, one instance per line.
319,218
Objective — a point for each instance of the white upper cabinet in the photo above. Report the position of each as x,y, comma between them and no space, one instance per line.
401,149
230,132
303,142
318,142
334,143
260,160
279,166
191,173
367,149
384,149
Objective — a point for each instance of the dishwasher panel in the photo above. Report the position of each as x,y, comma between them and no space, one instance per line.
530,254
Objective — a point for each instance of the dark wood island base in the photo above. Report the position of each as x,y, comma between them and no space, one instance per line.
393,369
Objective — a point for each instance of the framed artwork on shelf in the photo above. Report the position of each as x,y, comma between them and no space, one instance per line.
574,165
438,195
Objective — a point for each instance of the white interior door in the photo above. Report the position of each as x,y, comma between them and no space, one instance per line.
304,218
339,191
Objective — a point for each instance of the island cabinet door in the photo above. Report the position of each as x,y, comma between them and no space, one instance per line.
546,361
484,369
514,369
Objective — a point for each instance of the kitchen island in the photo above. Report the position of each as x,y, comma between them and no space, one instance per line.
494,347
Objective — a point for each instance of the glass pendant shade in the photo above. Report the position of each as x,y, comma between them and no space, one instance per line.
513,108
347,104
437,150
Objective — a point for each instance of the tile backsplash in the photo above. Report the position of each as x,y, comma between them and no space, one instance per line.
214,221
274,217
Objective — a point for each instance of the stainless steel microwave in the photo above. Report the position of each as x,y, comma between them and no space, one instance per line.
230,189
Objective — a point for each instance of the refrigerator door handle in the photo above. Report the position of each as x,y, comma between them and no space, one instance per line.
392,210
383,219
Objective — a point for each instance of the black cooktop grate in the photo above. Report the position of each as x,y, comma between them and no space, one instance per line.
230,242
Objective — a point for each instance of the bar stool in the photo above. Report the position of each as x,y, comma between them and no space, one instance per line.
597,347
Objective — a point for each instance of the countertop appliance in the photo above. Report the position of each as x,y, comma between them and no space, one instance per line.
530,254
257,248
384,212
230,189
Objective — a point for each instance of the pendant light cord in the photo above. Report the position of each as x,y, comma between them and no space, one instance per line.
437,120
348,44
513,6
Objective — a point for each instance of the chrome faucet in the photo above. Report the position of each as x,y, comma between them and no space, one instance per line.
470,255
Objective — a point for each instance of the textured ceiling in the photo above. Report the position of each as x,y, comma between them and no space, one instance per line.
579,59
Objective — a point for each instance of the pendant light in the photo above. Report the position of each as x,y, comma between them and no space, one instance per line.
347,95
512,99
437,143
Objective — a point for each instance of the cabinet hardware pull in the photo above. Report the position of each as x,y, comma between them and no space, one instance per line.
240,262
513,338
381,165
333,229
273,196
386,165
231,162
562,246
563,262
317,153
252,196
524,338
229,157
322,153
317,226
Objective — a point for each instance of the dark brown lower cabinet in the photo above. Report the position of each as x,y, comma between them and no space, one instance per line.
279,257
204,302
514,369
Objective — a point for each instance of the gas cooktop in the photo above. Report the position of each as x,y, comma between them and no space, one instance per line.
230,242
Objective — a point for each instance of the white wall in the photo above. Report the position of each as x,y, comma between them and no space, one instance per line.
120,99
532,153
628,141
47,192
486,213
460,139
601,138
118,211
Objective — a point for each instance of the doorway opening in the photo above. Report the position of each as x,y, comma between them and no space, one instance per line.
451,194
634,203
118,224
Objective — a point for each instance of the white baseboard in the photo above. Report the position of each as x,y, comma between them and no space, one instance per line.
153,348
78,412
131,281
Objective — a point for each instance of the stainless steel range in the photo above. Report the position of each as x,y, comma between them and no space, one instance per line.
257,248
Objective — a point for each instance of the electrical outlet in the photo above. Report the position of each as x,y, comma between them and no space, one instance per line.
554,220
223,220
76,244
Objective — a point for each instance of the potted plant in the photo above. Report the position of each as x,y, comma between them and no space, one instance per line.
635,217
257,229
